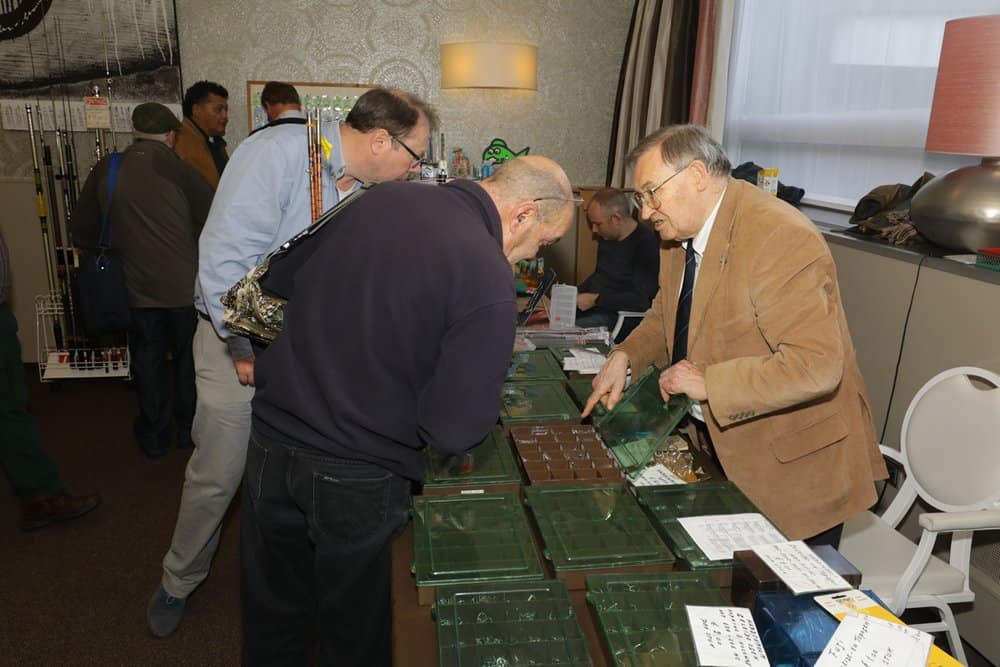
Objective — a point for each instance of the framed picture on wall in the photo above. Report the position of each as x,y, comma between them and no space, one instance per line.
334,99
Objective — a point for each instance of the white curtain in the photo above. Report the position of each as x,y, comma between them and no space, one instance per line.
837,95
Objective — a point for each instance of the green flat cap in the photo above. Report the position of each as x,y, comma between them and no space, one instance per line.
154,118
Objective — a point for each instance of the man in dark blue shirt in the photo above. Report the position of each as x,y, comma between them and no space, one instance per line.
628,264
397,336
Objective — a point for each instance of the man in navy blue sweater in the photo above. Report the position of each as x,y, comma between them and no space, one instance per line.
397,336
628,264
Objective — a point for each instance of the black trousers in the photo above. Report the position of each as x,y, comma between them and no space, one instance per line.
316,552
164,396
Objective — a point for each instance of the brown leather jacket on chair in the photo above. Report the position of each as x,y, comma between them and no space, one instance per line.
192,147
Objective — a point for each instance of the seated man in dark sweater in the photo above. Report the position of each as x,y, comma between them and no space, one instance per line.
628,264
397,336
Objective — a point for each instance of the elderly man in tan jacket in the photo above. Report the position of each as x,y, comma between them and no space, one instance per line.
756,334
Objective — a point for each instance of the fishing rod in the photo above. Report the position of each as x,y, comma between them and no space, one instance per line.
314,140
99,149
61,227
63,278
107,74
70,169
43,219
67,248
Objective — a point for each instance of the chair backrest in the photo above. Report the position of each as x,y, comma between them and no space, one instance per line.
951,440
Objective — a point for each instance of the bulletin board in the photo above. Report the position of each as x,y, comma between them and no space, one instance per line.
337,97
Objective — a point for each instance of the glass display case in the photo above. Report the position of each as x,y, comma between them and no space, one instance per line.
473,538
594,527
508,624
536,402
489,466
642,617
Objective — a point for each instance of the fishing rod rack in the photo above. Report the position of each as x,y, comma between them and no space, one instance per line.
56,361
65,349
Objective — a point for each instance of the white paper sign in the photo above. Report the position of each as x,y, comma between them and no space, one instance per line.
97,113
584,361
866,641
657,475
800,568
726,637
719,535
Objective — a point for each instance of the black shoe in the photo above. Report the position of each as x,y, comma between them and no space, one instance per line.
153,451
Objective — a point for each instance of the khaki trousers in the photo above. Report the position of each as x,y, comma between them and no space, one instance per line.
221,431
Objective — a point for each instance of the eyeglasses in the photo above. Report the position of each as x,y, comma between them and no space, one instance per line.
416,158
648,197
575,200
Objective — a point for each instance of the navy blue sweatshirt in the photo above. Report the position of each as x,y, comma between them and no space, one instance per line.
627,271
398,331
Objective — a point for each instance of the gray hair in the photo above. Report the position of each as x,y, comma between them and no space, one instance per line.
682,144
522,179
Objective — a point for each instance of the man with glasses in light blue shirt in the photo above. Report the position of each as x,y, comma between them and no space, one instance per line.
262,201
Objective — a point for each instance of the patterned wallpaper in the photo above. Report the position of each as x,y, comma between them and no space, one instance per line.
580,44
395,42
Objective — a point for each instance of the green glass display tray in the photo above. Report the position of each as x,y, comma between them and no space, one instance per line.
666,504
581,389
459,539
536,402
508,624
642,617
534,366
489,464
594,527
638,426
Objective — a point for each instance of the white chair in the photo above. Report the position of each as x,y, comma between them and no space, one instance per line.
950,450
622,316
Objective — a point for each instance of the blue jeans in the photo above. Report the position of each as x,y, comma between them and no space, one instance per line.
316,552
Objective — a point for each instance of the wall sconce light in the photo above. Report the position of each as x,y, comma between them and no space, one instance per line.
489,65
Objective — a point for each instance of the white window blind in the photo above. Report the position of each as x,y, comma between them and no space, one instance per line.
837,95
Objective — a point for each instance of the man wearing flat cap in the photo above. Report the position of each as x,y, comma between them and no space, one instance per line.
157,209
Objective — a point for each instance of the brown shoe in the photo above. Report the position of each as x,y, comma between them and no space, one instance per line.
41,511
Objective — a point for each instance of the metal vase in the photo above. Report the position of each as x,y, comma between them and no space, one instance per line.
960,210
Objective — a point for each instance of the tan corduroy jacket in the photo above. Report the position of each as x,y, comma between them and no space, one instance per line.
192,147
787,407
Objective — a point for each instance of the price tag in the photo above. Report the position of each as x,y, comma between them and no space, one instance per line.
97,113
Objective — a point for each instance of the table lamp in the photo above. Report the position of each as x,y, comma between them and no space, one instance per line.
960,210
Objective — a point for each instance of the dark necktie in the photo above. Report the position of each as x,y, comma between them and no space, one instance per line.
684,306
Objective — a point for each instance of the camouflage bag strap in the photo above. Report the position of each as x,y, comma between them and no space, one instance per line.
248,310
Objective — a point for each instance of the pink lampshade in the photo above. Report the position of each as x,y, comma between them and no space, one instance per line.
965,116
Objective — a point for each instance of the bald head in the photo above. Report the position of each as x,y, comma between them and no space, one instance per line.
531,177
535,201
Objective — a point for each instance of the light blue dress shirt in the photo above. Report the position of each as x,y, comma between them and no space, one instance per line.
261,202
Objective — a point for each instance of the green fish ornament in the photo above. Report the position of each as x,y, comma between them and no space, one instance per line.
499,152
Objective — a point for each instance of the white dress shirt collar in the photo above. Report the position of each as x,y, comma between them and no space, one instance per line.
701,239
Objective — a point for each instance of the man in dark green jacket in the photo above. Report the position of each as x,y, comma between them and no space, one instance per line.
157,211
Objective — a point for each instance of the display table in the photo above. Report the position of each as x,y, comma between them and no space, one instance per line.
414,636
